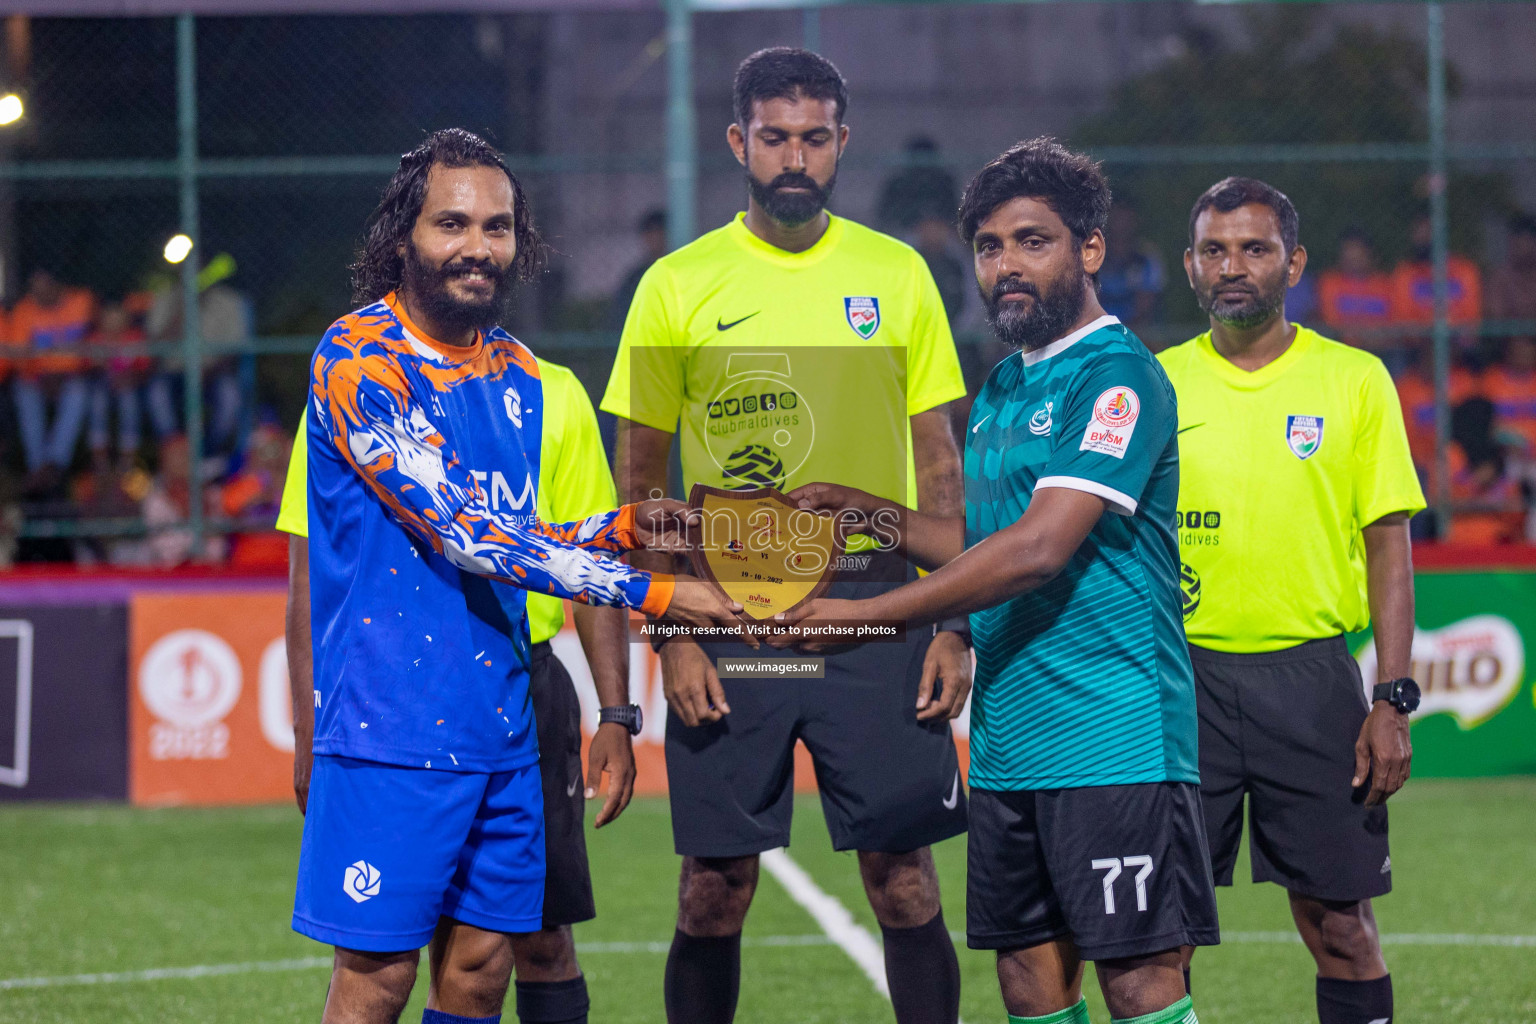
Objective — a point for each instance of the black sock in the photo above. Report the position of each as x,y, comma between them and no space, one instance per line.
703,978
553,1002
923,973
1354,1002
1187,990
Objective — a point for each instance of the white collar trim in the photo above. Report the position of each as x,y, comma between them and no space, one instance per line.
1060,346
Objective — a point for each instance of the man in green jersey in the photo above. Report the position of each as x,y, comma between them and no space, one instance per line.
1294,499
574,482
788,346
1086,835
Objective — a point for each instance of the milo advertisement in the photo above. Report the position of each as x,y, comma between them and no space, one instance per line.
1478,712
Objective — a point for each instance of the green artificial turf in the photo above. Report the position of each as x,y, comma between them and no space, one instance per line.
92,889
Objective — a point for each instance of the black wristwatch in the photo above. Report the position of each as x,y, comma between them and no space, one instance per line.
627,715
1402,694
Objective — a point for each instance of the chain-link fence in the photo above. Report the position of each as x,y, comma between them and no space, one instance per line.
1401,131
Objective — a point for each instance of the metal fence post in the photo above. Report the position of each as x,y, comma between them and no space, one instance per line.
682,133
1440,249
191,326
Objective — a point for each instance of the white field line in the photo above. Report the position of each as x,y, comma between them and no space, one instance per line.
833,917
658,948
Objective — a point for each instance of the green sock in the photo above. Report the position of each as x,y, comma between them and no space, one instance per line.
1181,1012
1071,1015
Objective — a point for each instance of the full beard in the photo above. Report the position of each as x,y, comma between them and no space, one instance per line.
1048,318
789,208
428,288
1258,307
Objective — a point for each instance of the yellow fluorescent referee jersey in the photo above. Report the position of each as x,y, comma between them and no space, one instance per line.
1279,471
788,368
574,481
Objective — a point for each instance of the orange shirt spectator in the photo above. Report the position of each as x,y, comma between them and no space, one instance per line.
1511,386
53,319
1413,292
1416,393
1413,285
1348,301
1356,295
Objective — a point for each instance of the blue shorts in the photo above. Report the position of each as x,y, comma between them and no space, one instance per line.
388,850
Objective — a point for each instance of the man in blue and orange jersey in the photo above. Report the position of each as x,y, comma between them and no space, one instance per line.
425,818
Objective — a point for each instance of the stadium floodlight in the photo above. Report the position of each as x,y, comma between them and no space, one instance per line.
11,109
178,248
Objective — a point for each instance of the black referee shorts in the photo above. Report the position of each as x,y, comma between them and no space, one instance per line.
557,714
888,783
1280,728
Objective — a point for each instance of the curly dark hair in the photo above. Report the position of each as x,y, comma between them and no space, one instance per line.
1230,193
377,268
1071,184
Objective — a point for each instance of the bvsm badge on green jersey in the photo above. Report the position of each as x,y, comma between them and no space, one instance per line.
1304,434
863,314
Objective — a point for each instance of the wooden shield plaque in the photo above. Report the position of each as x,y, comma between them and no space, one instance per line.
765,553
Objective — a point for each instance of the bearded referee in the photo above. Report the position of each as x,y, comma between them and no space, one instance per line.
1295,492
793,345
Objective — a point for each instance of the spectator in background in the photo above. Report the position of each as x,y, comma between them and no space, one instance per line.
1488,507
1355,296
224,316
1512,286
919,191
120,383
1413,284
1510,384
1416,393
653,246
1133,276
253,496
166,509
53,321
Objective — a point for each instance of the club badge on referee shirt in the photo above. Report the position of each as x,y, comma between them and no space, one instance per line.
1304,435
863,312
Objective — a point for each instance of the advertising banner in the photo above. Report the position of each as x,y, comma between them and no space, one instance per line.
63,711
1478,713
210,720
208,716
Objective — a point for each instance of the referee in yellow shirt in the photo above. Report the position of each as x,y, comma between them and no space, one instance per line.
574,482
788,346
1295,492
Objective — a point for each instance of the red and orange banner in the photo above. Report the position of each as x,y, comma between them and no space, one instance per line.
209,715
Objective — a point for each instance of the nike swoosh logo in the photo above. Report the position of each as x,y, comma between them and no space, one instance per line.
954,793
978,427
1192,426
722,326
571,789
